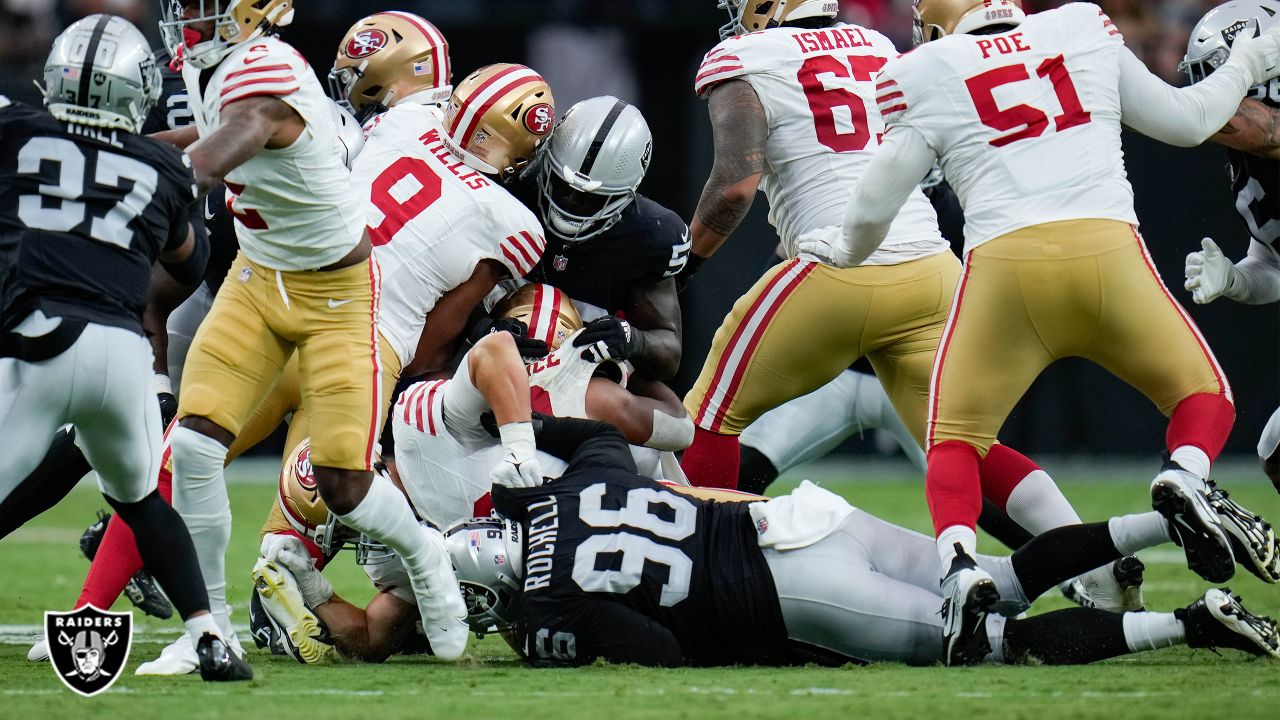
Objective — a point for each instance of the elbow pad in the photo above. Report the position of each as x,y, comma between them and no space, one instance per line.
190,272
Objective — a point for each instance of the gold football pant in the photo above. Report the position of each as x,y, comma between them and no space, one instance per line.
260,318
803,323
1084,288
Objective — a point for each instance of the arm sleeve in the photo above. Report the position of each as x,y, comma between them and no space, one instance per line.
584,444
889,179
1256,279
1179,116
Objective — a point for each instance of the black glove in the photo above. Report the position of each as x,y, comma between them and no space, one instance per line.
686,273
168,408
609,338
530,348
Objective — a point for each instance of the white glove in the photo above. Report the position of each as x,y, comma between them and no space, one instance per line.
288,553
1209,273
1260,56
519,465
823,245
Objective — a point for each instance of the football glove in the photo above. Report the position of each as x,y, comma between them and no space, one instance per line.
1259,55
288,552
687,272
530,348
164,395
519,465
1209,273
609,338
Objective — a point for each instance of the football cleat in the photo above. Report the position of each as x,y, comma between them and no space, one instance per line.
1193,523
1253,542
1115,587
218,663
1220,620
300,632
145,595
91,538
265,632
968,594
440,605
39,651
177,658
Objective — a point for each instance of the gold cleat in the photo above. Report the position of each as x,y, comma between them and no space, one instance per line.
298,626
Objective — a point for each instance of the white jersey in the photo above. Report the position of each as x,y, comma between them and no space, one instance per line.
432,219
293,207
817,88
1026,122
558,383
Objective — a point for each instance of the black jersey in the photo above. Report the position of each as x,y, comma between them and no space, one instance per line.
1255,181
648,243
621,568
90,210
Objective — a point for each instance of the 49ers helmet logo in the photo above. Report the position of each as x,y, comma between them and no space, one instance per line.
540,119
365,43
302,470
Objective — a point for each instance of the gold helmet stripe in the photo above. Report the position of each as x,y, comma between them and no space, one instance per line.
485,97
433,36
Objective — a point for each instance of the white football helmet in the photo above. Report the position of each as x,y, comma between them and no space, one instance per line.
488,556
101,73
1210,43
185,23
593,166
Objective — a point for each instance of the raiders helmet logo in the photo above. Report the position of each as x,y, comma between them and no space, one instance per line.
539,119
1230,32
365,43
88,647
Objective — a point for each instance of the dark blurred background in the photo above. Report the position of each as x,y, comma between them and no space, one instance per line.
646,51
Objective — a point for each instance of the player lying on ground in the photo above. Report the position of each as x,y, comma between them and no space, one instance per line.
1054,266
602,563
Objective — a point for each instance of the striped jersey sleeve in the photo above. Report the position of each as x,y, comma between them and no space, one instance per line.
890,97
421,407
722,63
266,69
521,251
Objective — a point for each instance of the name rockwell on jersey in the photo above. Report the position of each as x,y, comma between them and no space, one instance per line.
543,529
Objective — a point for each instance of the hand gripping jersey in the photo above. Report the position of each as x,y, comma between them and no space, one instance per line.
619,567
817,88
293,207
1026,122
88,211
1256,181
431,219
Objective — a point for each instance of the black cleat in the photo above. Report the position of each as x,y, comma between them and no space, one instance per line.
218,663
91,538
145,595
1253,542
1220,620
266,635
1193,523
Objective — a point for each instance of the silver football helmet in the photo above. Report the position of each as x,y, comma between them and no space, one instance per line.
746,16
592,167
488,556
1210,43
101,73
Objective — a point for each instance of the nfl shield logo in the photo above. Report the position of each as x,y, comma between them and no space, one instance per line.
88,647
560,263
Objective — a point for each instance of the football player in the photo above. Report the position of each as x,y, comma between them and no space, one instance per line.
1054,266
612,250
604,564
95,206
303,282
388,58
1253,139
771,86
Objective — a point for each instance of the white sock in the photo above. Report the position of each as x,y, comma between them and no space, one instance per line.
384,515
1038,505
1152,631
947,539
1132,533
200,496
198,626
1192,459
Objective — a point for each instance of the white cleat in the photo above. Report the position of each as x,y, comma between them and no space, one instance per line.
1114,587
1194,524
177,658
440,604
301,630
39,652
968,594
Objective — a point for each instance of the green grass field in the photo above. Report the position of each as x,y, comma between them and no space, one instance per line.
41,569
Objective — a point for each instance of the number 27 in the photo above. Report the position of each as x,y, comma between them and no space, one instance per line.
1032,121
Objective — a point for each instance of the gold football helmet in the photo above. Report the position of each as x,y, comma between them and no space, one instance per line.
387,57
232,22
498,117
300,501
939,18
747,16
549,313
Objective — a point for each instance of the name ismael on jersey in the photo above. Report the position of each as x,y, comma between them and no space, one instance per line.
833,39
474,180
543,529
63,622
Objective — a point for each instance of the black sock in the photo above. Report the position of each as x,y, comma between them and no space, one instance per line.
755,471
1061,554
167,552
56,475
1002,527
1066,637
